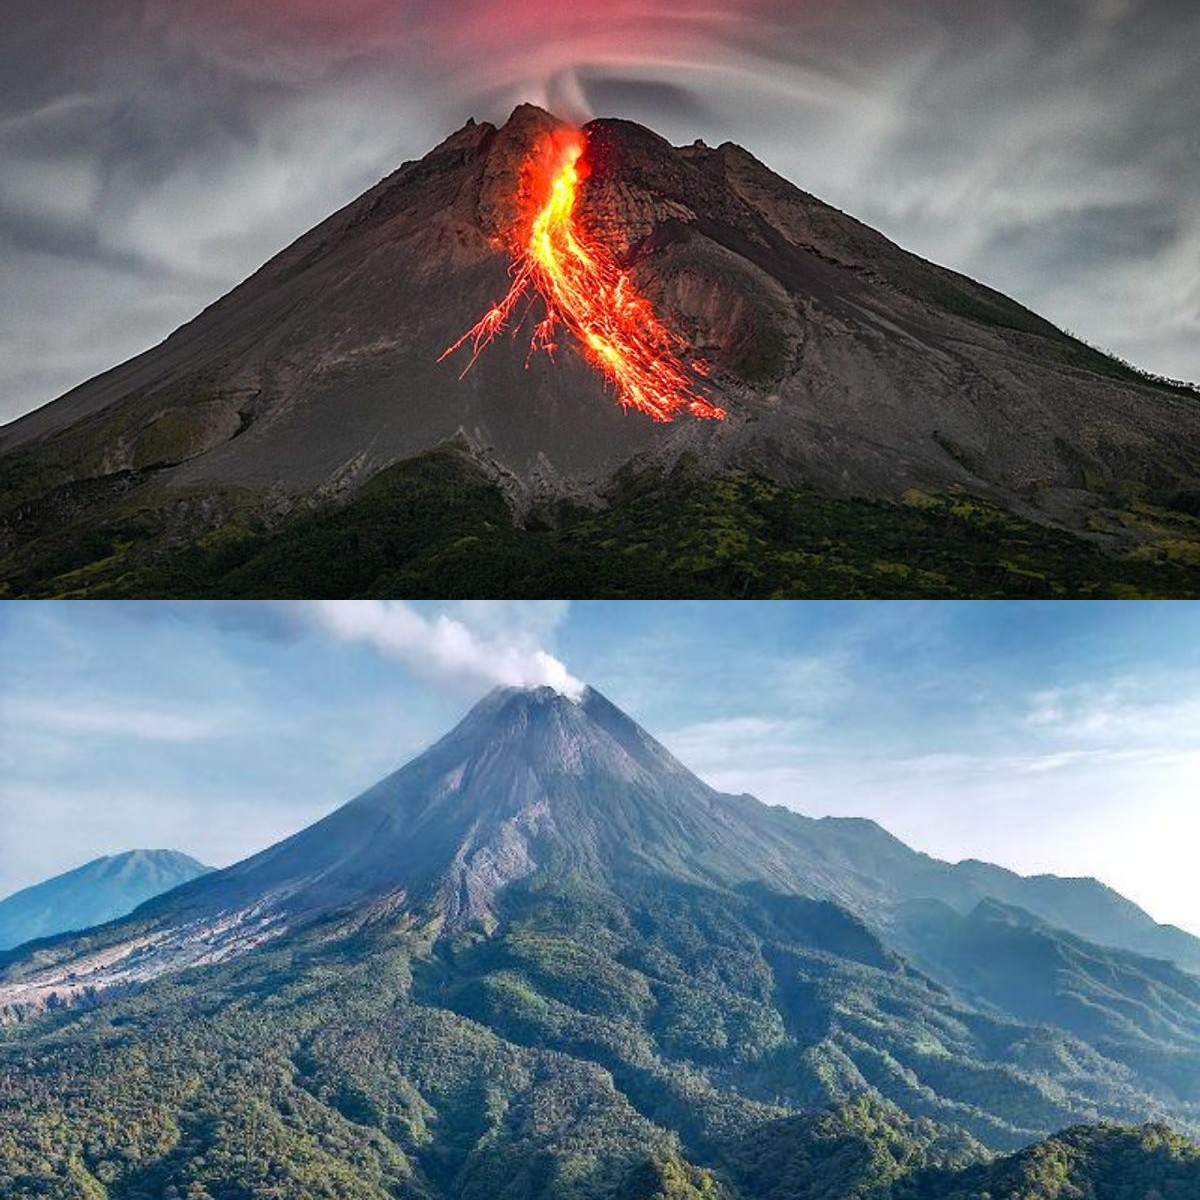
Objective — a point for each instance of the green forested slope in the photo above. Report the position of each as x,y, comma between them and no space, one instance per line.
1092,1162
437,525
591,1047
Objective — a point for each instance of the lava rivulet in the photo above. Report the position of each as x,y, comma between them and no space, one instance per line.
586,290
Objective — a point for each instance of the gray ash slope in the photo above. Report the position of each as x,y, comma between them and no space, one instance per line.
529,780
550,854
844,361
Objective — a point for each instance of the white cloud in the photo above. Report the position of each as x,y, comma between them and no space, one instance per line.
527,622
496,648
714,748
1117,713
118,720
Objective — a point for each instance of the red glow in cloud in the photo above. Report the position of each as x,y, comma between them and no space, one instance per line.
488,52
587,292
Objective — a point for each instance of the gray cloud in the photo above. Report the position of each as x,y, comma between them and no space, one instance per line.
155,153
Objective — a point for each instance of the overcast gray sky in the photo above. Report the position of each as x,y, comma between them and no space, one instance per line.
155,152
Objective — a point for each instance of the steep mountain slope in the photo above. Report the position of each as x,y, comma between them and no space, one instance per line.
1011,958
543,959
97,892
1088,908
845,364
1104,1163
528,781
1130,1008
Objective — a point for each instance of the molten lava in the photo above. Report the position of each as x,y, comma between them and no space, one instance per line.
586,290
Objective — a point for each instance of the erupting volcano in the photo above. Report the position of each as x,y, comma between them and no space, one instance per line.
852,372
585,289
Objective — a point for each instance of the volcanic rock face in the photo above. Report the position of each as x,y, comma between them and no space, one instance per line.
843,361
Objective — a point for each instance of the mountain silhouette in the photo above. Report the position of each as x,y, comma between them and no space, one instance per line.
92,894
845,364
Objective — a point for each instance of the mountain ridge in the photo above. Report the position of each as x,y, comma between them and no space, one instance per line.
884,869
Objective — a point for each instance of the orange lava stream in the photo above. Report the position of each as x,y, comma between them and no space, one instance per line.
586,290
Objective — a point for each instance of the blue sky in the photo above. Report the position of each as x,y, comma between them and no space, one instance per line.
1048,737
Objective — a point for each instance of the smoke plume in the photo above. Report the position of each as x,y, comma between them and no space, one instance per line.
446,647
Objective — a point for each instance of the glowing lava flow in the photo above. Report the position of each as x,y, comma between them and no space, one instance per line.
585,289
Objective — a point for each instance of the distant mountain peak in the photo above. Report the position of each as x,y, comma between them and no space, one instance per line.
96,892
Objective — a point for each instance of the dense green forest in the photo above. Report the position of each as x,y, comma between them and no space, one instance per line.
437,525
671,1044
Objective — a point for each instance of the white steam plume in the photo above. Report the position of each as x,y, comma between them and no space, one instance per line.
444,646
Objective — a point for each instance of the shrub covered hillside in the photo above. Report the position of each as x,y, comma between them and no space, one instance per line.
372,1064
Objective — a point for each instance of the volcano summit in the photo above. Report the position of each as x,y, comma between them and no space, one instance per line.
890,427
